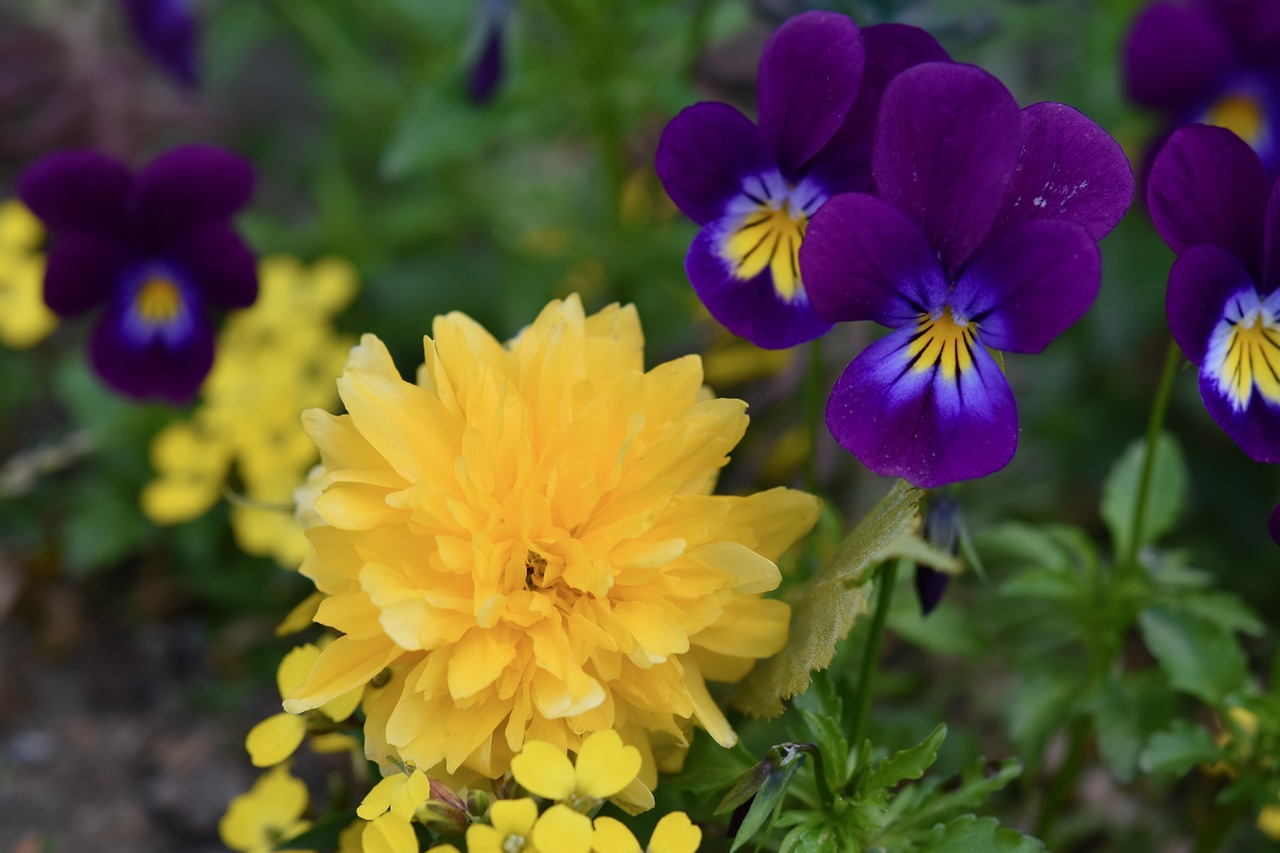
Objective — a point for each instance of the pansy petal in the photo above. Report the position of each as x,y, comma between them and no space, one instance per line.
945,147
704,155
1029,283
1069,169
844,163
169,369
167,31
1188,208
750,308
1255,428
186,188
1174,54
82,272
78,191
217,261
809,76
1271,243
902,417
863,259
1200,283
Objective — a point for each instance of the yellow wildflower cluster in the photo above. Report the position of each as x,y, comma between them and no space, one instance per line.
273,360
524,545
24,318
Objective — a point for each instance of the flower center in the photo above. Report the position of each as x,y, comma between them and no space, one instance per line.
1242,114
766,226
945,342
513,843
1244,350
158,300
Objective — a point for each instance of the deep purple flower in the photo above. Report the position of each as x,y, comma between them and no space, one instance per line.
754,188
485,73
155,250
984,237
1213,203
168,32
1273,524
1211,61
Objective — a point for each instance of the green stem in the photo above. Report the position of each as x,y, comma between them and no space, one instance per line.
871,655
1067,777
1156,423
813,413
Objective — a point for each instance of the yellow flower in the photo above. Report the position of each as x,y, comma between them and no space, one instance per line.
516,826
527,539
389,833
273,360
675,833
265,814
604,767
278,737
1269,822
24,318
400,793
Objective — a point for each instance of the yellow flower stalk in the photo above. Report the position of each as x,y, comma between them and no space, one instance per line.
524,545
24,318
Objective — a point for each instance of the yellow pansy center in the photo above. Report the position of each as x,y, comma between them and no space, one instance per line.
766,226
944,342
1244,351
158,300
1242,114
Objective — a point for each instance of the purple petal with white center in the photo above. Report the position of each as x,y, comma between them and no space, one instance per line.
705,154
944,150
219,263
863,259
1273,525
170,369
78,192
1255,429
1202,280
1208,186
167,30
1069,169
844,164
82,271
809,76
187,188
921,425
1029,283
749,308
1175,55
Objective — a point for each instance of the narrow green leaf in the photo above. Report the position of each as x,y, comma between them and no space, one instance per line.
767,802
1199,656
823,610
1177,749
1165,497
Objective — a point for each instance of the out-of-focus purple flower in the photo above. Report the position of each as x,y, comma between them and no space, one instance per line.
1214,62
942,531
168,32
984,237
1212,202
155,250
485,73
1273,524
754,187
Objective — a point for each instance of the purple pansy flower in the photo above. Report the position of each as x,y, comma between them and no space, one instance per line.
486,72
168,32
1212,202
156,250
753,188
984,237
1211,61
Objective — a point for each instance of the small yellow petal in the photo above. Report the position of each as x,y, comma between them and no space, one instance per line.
389,834
674,834
300,617
414,790
294,668
378,800
605,766
275,739
563,830
612,836
544,770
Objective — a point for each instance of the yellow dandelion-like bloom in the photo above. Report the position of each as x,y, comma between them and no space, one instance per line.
257,820
523,545
24,318
273,360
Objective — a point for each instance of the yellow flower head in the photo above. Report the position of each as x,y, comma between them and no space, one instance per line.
24,318
604,767
265,814
527,540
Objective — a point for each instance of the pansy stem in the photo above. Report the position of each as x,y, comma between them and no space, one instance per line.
871,655
1154,426
813,413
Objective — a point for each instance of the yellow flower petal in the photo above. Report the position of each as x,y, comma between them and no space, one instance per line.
389,834
563,830
605,766
544,770
275,739
674,834
270,810
612,836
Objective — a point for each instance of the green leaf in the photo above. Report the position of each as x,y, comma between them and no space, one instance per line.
102,529
972,834
826,734
1200,657
1179,748
1049,584
1225,610
823,610
1043,703
1165,497
908,763
768,801
917,808
1127,710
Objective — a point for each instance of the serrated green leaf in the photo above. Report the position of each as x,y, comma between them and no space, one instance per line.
972,834
823,610
818,839
825,732
908,763
916,808
1177,749
1165,496
1199,656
